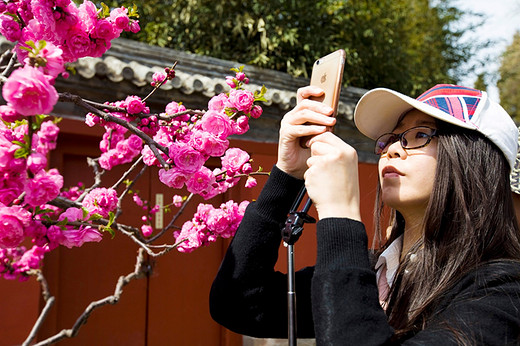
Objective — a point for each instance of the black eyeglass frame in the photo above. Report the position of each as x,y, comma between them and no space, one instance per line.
400,137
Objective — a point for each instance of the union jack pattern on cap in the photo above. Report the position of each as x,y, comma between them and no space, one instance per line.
379,111
460,102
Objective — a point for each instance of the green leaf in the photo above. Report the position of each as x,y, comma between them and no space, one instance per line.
94,217
105,10
21,153
62,222
111,218
85,212
109,230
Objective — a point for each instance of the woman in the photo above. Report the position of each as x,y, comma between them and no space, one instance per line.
450,272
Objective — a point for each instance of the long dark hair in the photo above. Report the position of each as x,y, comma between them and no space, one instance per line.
469,220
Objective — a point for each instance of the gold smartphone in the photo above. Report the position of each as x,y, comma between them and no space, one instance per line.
327,73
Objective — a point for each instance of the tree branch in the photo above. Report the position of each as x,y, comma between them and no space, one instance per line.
154,146
140,270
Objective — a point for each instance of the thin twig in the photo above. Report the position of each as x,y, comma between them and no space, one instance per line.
158,85
154,146
43,315
49,302
140,270
175,217
127,173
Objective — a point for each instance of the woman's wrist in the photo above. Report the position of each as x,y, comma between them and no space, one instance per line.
336,210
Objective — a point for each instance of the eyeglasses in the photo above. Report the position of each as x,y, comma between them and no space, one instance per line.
414,138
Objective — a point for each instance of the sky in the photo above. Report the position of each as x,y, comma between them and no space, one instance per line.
502,21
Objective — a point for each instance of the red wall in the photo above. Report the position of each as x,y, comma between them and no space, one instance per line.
168,307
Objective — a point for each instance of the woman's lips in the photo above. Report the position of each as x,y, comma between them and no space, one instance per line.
391,172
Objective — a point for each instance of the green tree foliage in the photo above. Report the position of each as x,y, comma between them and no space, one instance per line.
480,83
509,82
407,45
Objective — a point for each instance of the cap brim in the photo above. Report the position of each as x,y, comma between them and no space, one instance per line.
379,110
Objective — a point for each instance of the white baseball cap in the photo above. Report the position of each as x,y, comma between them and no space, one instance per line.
379,110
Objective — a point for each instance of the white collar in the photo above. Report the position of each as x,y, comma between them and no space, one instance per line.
390,257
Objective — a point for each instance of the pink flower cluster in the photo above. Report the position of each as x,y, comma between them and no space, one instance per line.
25,173
191,141
101,201
15,262
26,186
52,33
79,31
208,224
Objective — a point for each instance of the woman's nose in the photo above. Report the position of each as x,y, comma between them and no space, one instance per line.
395,150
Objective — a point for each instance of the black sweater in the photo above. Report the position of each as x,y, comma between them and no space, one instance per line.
337,300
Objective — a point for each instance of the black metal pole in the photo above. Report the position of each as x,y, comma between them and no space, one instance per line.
291,297
291,233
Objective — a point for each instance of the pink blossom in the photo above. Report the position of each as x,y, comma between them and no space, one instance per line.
256,112
246,168
174,177
31,259
231,82
241,126
72,214
55,236
46,137
44,17
52,57
134,26
200,181
174,107
158,77
234,159
13,220
74,192
138,200
146,230
134,105
119,16
250,182
77,44
91,119
88,14
242,207
134,142
187,159
29,92
101,201
177,201
72,237
216,123
149,157
11,187
10,28
103,29
240,76
192,237
8,163
8,113
109,160
241,100
110,140
36,162
37,232
44,187
218,102
219,220
208,144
